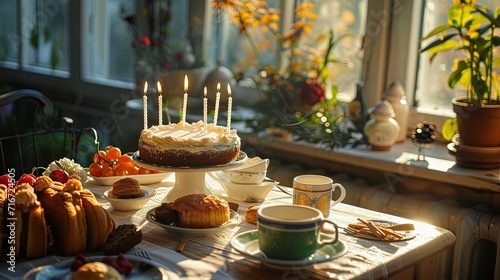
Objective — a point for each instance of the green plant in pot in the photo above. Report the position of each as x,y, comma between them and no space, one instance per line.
471,30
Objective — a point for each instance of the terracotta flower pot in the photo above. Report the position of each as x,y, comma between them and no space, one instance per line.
477,126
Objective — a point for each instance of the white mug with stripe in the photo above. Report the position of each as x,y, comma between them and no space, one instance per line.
316,191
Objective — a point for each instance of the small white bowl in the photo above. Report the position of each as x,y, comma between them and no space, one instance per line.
248,192
130,204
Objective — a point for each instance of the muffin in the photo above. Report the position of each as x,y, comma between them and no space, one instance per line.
201,211
126,188
96,270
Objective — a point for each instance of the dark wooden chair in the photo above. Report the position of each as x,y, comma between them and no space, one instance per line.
32,134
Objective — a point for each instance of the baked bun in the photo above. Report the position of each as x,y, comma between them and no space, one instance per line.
31,229
96,271
126,188
201,211
99,223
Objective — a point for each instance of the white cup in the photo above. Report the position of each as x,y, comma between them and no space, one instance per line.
316,191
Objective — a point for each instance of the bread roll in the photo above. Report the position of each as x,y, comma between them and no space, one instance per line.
201,211
67,219
31,229
96,270
99,223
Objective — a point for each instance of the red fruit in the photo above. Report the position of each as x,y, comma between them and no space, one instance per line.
76,265
27,178
125,266
5,179
82,259
109,261
59,175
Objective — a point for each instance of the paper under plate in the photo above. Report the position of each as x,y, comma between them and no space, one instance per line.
142,269
151,217
247,243
407,234
143,179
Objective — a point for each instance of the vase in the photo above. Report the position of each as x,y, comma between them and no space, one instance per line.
395,94
382,129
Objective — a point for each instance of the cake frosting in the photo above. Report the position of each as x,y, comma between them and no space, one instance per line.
189,144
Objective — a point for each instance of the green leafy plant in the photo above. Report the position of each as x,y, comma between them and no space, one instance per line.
471,29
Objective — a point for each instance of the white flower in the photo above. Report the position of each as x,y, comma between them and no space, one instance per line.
69,166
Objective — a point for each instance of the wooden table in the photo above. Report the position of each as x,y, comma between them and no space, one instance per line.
365,259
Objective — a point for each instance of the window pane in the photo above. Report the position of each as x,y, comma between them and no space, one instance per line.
107,40
45,26
347,20
432,88
9,40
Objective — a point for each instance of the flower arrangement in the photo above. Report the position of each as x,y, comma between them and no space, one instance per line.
293,88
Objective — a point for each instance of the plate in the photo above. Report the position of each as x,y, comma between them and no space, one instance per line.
242,158
151,217
144,179
407,234
142,269
247,243
129,204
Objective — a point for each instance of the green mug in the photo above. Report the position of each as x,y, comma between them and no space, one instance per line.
292,232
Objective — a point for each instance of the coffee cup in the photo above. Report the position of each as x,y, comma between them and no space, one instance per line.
292,232
316,191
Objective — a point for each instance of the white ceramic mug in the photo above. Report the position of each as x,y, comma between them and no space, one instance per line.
316,191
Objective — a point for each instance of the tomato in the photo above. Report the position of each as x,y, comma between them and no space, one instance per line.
119,171
143,170
107,172
132,170
126,160
104,156
114,153
95,169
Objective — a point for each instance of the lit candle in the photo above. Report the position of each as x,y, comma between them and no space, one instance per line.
145,104
229,107
184,104
160,104
217,100
205,104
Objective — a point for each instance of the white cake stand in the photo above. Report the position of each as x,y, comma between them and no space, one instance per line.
189,179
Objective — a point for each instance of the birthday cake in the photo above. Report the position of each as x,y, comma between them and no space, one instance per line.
189,144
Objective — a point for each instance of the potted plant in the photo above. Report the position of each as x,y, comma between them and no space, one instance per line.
470,29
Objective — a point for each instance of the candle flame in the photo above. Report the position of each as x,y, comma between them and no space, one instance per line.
145,87
205,91
229,90
158,85
185,83
218,86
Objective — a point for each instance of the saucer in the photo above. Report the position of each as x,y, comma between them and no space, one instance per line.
247,243
190,232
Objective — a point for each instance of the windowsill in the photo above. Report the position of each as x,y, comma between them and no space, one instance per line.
400,162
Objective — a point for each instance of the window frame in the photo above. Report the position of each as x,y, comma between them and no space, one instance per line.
382,60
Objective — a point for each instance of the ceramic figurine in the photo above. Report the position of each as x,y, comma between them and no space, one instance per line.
382,129
395,94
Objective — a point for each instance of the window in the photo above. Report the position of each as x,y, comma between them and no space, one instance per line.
9,40
107,52
433,90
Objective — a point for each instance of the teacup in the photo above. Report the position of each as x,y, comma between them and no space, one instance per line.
292,232
316,191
